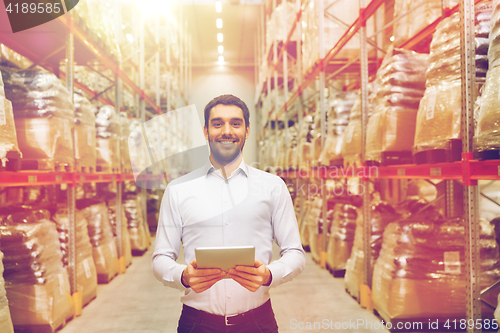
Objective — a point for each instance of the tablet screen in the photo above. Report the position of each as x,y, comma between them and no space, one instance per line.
225,257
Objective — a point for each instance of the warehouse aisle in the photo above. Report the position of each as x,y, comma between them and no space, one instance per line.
137,302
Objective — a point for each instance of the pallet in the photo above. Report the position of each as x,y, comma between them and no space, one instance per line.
139,253
392,158
13,163
47,328
338,162
85,169
451,153
353,297
337,273
490,154
107,169
41,165
105,278
306,248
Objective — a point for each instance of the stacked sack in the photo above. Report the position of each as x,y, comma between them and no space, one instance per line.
5,320
8,137
36,282
107,139
85,145
439,113
337,121
381,214
302,218
139,232
291,159
312,222
487,136
124,149
101,239
126,250
86,274
341,236
401,85
304,142
420,272
351,141
43,115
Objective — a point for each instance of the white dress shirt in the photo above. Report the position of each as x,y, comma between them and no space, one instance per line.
202,209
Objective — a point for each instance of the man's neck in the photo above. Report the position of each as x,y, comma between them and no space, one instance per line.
226,170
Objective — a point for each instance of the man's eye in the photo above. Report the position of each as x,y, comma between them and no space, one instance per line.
236,124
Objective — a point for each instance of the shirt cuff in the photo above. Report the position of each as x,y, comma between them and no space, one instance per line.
178,277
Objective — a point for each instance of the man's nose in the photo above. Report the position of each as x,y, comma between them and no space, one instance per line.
226,129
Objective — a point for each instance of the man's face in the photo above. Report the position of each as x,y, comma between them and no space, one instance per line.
226,133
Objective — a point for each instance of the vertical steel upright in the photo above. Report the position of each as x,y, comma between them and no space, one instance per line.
322,103
365,290
300,106
70,52
142,85
470,196
119,184
276,84
269,99
285,82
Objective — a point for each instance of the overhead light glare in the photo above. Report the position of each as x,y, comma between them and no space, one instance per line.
392,38
220,37
221,49
221,59
219,23
130,38
218,6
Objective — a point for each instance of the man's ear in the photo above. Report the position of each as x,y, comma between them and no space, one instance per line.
205,131
247,134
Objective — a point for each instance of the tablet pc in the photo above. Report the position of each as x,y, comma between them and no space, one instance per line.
224,257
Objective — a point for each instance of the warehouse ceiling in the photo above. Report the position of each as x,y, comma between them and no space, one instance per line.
239,29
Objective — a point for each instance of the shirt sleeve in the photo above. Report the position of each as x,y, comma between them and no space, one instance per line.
286,234
168,239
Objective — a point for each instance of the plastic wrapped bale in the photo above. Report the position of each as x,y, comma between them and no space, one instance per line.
302,221
85,134
124,148
314,221
338,119
8,136
5,320
341,236
487,135
420,272
305,139
133,212
137,148
101,239
401,85
439,113
86,273
107,139
126,255
43,116
420,15
291,158
37,285
354,268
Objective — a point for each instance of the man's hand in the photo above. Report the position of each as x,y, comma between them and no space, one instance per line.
251,277
201,279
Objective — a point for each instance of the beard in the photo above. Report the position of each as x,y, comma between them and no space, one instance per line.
225,153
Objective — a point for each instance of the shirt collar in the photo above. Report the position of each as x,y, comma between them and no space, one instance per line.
208,167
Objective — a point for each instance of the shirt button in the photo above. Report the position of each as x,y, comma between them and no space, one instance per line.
227,223
228,296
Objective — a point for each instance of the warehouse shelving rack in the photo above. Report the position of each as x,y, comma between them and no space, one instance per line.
467,170
43,45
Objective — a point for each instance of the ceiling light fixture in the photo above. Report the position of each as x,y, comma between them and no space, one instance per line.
219,23
221,49
218,6
220,37
221,59
130,38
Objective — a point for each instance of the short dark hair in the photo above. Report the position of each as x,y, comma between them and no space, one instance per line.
227,100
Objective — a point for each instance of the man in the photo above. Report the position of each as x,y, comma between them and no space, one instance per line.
227,203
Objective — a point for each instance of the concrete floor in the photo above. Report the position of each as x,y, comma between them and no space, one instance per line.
137,302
